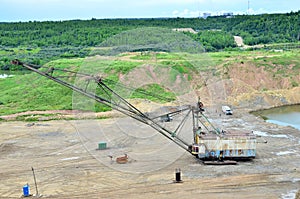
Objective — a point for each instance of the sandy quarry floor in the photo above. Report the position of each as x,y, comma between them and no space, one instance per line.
67,164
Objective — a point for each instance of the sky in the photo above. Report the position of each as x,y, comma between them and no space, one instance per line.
59,10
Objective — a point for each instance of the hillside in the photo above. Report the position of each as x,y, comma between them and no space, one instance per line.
266,28
262,80
40,42
249,80
207,60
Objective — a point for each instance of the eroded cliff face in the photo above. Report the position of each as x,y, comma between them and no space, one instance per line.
261,100
260,77
254,86
262,87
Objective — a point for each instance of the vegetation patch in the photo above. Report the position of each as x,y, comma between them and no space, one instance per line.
154,92
122,67
38,117
264,117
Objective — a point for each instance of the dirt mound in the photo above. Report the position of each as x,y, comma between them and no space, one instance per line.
239,41
191,30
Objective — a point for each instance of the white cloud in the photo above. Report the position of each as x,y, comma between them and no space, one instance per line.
185,13
175,13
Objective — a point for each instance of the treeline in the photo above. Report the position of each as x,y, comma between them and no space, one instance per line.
37,56
255,29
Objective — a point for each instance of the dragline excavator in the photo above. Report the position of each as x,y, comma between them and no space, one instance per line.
209,143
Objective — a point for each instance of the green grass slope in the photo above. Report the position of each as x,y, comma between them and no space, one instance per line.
30,91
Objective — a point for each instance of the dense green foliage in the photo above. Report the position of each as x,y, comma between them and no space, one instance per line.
40,42
38,56
264,29
256,29
214,40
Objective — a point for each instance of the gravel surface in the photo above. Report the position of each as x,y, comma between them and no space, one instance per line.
67,164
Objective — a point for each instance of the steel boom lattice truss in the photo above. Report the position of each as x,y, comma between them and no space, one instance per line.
112,99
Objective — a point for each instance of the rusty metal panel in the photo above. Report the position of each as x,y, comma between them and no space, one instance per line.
228,145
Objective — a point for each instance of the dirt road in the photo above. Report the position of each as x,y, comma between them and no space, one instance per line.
67,164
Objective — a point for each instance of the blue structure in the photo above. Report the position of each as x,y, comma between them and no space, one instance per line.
26,190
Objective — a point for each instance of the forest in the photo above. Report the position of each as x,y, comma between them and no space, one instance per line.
39,42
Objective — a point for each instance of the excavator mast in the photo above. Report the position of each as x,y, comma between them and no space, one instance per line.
210,143
112,99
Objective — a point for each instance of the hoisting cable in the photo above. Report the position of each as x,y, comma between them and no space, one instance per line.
183,121
216,130
139,90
